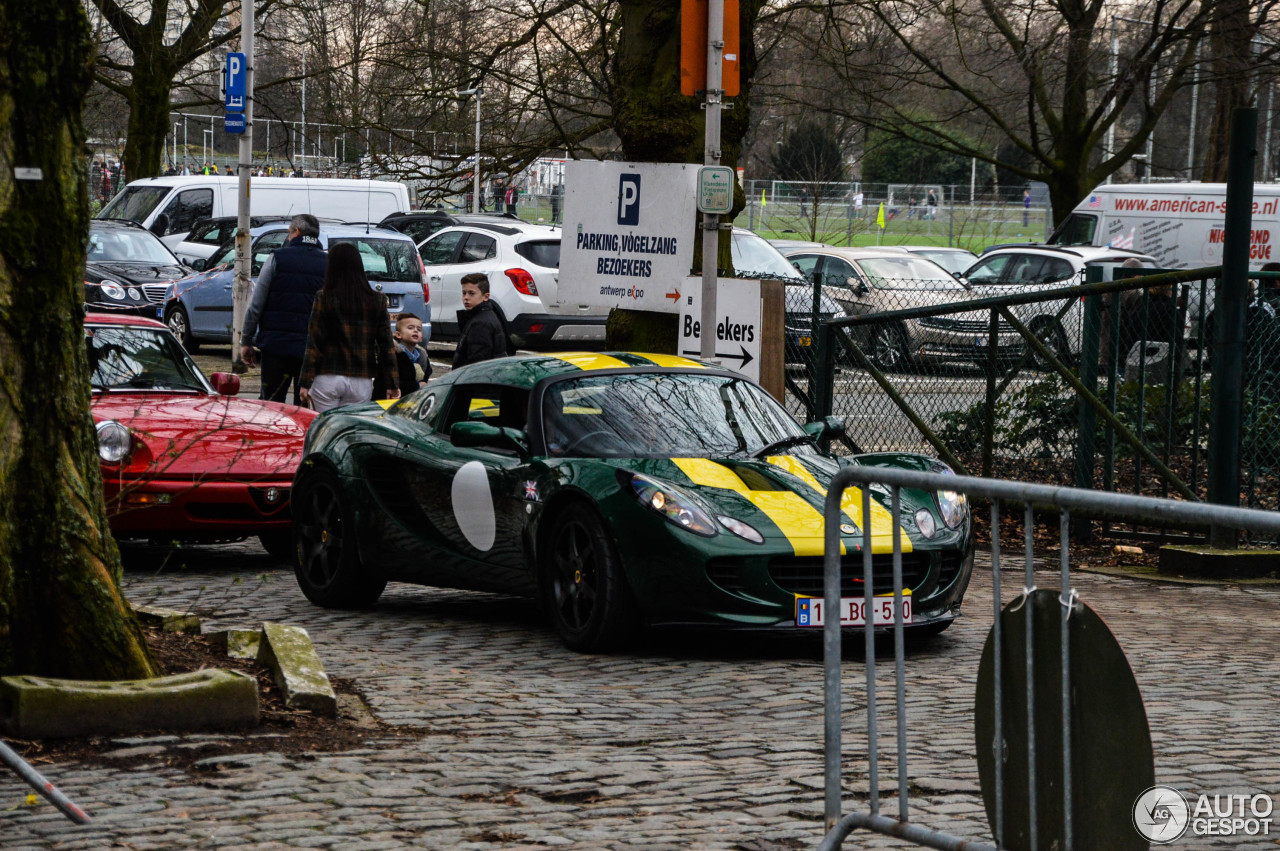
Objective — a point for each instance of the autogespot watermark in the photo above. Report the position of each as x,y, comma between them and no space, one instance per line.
1164,815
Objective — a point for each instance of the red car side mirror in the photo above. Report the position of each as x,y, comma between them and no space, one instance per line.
226,383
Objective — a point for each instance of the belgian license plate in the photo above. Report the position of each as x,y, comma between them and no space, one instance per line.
160,313
853,610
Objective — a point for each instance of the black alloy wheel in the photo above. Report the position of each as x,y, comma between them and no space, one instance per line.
889,348
329,570
180,324
583,585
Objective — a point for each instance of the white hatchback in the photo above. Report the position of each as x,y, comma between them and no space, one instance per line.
522,262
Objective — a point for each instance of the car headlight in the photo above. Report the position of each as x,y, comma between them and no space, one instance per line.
953,507
925,522
112,290
135,294
678,508
742,530
115,442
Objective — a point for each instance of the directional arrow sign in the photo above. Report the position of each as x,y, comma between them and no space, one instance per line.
738,328
745,357
674,296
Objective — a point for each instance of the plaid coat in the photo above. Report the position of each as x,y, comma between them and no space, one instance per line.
354,346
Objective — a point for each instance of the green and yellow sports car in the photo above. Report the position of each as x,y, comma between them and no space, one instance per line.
618,489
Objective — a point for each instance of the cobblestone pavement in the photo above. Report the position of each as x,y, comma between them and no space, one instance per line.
691,740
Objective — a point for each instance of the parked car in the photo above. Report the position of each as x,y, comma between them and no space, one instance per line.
183,458
615,491
954,260
522,262
755,257
208,235
1011,269
881,280
198,308
127,268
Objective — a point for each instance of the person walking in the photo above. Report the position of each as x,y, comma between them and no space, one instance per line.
557,196
511,199
1026,207
483,333
348,338
277,318
931,206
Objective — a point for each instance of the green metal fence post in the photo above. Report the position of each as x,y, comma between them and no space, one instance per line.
989,411
1229,305
824,373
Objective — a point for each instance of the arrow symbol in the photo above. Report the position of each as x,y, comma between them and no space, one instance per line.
745,357
675,296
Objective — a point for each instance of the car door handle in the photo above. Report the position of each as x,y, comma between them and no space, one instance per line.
435,279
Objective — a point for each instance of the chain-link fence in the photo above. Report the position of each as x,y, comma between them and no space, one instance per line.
1104,385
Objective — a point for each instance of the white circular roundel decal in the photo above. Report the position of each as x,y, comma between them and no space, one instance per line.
473,505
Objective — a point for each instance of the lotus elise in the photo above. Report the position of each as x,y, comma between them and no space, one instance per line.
618,489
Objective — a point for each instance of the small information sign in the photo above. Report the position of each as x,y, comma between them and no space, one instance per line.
715,189
233,122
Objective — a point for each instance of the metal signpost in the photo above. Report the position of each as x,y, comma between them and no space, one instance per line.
711,221
239,100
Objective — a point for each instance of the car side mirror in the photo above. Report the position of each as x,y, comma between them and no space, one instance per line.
855,284
225,383
828,427
161,225
478,435
198,264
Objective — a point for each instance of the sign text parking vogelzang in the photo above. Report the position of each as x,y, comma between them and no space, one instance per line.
628,237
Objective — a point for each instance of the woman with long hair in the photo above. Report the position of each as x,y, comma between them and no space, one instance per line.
349,337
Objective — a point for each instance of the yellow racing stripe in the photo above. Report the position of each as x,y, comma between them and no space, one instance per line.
670,361
790,512
590,360
882,520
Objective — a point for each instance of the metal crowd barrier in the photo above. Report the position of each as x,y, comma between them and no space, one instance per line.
1066,500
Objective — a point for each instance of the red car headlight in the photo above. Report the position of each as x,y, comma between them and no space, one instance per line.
115,442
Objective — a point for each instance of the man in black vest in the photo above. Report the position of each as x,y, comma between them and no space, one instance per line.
280,310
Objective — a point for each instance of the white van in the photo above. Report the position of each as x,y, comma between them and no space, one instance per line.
169,206
1179,224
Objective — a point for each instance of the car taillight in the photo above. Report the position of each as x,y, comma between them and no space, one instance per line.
426,287
522,280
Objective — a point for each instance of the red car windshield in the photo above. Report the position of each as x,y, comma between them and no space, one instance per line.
139,359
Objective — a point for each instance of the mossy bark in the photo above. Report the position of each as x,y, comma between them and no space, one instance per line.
656,123
61,610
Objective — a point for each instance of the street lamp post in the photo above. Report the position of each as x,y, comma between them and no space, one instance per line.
475,201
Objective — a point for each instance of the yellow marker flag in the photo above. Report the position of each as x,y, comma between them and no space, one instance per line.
762,201
880,216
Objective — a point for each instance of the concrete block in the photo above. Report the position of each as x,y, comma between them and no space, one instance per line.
168,620
288,652
43,707
1206,561
239,643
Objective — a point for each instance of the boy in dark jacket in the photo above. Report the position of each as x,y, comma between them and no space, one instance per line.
411,359
483,334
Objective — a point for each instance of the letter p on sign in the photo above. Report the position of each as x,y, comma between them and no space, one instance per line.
628,199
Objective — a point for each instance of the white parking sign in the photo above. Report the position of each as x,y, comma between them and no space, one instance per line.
628,234
738,327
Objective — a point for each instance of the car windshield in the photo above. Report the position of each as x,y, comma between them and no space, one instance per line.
135,203
139,359
130,245
662,415
954,262
907,272
755,258
385,259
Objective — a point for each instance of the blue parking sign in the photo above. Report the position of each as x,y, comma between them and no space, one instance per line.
235,75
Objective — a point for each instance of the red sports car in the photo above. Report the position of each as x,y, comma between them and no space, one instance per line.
182,457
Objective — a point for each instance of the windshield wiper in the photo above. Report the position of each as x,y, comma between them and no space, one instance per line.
792,440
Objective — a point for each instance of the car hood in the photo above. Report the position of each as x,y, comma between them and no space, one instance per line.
184,435
782,496
134,273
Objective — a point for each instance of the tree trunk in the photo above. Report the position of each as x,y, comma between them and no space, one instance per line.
1231,38
655,122
148,123
61,611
